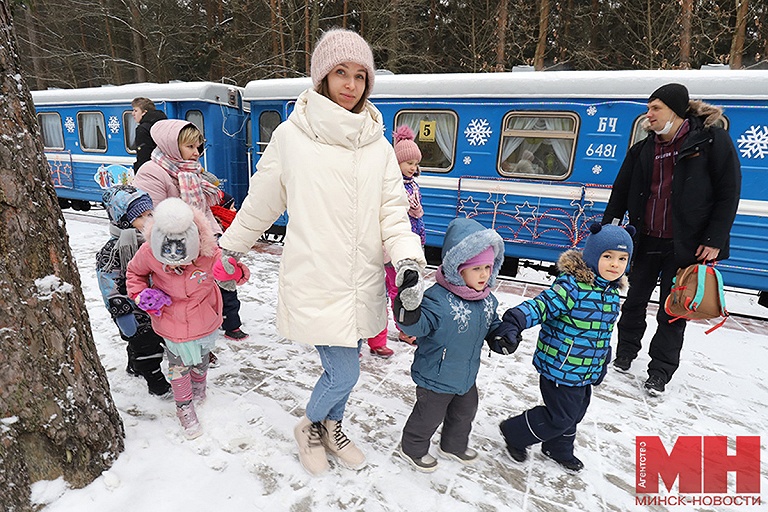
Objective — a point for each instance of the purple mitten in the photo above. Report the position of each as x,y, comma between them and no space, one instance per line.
152,300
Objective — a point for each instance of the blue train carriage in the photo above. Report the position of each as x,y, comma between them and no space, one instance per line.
89,134
534,155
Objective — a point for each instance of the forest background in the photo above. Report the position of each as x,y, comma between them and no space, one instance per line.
75,43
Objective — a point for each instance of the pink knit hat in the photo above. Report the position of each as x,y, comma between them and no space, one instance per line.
405,148
337,46
484,258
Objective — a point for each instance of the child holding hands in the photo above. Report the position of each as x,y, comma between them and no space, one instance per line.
577,315
173,277
456,315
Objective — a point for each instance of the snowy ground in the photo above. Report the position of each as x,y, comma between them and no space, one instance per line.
246,459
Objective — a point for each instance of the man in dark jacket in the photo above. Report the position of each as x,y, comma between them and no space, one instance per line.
681,187
146,115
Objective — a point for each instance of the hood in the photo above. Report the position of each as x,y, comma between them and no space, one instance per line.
152,116
208,243
464,239
116,201
572,263
326,122
165,133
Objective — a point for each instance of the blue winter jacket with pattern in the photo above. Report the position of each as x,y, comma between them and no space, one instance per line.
577,314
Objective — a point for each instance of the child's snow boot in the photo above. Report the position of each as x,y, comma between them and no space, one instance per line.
188,419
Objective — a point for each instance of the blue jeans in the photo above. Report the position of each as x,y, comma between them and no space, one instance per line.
341,369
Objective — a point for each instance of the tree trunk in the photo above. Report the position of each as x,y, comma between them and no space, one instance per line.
737,44
501,37
307,39
685,35
38,64
393,46
59,417
116,76
541,46
137,39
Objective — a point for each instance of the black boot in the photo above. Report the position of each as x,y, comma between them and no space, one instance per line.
131,367
156,383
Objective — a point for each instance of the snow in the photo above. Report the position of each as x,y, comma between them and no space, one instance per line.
246,459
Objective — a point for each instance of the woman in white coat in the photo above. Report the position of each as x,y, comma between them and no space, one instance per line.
331,168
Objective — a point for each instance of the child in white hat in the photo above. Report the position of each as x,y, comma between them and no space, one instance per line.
173,277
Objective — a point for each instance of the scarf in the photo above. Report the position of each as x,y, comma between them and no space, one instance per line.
193,188
127,243
465,292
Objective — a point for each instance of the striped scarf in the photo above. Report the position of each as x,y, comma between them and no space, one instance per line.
193,189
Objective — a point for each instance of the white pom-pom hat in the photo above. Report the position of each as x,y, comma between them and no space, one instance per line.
174,238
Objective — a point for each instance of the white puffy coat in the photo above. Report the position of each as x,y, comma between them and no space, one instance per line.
339,179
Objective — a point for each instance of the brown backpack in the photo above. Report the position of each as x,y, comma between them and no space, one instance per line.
697,294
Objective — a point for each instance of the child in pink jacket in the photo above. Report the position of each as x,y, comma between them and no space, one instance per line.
173,277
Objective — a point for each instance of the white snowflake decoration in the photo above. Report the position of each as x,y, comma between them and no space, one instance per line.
753,143
69,124
114,124
478,132
597,169
467,160
460,312
591,110
488,309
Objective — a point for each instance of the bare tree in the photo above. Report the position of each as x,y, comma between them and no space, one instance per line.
59,417
501,36
541,46
737,45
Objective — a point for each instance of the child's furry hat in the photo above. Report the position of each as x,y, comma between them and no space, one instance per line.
405,147
464,240
175,239
607,238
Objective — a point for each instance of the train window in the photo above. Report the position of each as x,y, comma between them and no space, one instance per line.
92,131
538,144
196,118
639,130
129,131
268,121
50,125
435,135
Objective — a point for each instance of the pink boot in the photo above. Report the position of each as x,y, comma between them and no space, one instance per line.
188,419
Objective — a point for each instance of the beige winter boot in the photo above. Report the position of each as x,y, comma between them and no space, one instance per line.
338,444
311,451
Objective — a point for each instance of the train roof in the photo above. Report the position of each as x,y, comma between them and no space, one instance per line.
635,84
210,92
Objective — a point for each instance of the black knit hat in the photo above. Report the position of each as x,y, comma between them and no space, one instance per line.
675,96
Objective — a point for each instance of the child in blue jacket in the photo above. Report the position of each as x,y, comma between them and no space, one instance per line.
577,315
455,316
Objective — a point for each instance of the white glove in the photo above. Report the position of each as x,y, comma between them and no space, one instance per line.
412,294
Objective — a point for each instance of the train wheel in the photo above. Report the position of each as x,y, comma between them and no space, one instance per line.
64,203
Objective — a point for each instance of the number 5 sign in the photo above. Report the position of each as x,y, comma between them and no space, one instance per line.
427,131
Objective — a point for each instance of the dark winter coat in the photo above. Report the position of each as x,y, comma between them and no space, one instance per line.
577,314
706,185
144,142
